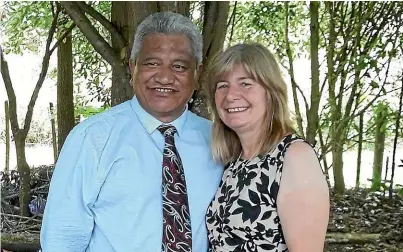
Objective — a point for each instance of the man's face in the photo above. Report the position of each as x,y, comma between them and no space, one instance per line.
164,76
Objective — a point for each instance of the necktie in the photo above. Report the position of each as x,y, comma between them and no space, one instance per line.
177,233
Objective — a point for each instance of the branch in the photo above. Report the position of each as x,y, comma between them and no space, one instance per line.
383,85
21,217
105,22
322,87
291,72
303,97
93,36
62,37
42,75
12,100
233,22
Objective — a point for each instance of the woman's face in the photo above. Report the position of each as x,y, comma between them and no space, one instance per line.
241,101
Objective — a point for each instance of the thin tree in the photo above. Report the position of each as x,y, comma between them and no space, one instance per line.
19,133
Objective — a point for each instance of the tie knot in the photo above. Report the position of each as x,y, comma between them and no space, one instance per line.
167,130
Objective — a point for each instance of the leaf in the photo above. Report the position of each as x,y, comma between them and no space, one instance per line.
268,247
267,215
274,189
260,227
254,197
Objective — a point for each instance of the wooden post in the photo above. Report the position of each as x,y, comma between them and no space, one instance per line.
7,168
54,139
386,176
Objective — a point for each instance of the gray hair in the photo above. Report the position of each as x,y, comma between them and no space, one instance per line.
168,23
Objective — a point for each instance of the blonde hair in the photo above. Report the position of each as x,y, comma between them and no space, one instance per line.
261,65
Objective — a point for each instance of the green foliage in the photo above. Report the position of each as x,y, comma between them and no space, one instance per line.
87,111
25,23
90,69
264,22
26,27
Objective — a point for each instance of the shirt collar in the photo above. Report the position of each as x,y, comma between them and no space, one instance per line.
151,123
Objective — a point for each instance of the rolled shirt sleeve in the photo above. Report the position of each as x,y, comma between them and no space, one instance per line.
68,220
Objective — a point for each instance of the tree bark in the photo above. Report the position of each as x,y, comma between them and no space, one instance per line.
24,173
360,139
65,87
122,18
7,113
312,114
337,158
352,238
379,146
214,31
20,243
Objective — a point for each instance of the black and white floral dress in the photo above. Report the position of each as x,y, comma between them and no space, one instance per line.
243,214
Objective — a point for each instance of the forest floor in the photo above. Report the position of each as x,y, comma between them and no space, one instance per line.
362,213
360,221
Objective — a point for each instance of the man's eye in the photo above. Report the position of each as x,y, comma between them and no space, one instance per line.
180,68
151,64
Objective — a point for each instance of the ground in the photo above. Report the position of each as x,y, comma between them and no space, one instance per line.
360,221
363,212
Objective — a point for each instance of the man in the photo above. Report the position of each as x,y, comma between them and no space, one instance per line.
126,180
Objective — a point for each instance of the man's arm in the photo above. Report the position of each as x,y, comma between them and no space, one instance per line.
68,222
303,200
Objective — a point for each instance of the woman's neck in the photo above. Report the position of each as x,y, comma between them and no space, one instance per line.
250,144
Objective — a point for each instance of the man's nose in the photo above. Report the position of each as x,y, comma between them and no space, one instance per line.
165,76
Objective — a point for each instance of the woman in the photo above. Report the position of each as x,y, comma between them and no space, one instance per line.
273,195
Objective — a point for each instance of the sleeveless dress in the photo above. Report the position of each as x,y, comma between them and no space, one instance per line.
243,214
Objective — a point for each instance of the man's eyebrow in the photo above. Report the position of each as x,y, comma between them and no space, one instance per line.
150,58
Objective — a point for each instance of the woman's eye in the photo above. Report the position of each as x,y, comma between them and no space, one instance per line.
244,84
221,85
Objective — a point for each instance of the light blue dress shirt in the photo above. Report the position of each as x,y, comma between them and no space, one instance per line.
105,193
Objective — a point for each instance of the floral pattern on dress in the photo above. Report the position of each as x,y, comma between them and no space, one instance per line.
243,214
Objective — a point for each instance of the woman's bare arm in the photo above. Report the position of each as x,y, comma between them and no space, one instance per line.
303,200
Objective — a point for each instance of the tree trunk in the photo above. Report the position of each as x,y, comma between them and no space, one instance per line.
214,31
337,157
65,98
312,114
335,109
25,174
398,117
7,167
360,139
122,17
379,147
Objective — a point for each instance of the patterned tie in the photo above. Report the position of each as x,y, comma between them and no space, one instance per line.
177,233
